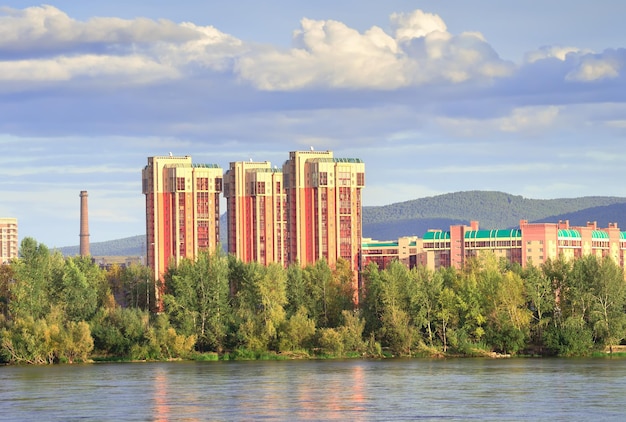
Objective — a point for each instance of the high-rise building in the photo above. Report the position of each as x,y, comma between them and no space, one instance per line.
8,239
255,202
324,208
182,210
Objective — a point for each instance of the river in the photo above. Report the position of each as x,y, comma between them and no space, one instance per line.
352,390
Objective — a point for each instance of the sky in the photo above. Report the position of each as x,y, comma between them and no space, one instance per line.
435,96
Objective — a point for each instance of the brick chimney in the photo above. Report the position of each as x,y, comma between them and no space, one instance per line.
84,224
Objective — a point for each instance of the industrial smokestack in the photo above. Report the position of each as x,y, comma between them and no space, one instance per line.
84,224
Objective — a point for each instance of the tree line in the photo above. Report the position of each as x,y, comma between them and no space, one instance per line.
56,309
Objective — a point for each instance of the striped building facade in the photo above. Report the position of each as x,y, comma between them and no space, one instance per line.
256,204
182,209
324,207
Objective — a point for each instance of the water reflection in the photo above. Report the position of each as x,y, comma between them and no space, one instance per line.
161,407
515,389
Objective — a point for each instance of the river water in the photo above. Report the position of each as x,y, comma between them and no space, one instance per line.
352,390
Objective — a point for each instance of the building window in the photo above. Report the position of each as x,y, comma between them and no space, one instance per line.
202,183
180,183
344,178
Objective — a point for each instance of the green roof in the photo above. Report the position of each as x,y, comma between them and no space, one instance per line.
268,170
569,233
493,234
599,234
437,235
622,235
379,245
208,166
336,160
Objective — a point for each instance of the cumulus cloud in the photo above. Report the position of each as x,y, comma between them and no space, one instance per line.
547,52
593,68
329,54
417,24
48,28
45,45
160,78
42,44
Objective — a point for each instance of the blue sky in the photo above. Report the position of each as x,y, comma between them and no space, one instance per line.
435,96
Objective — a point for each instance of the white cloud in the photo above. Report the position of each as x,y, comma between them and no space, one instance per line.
547,52
132,69
329,54
593,68
45,44
618,124
417,24
527,120
48,28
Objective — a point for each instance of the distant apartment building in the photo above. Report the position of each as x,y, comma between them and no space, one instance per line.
255,200
324,207
8,239
182,209
383,253
530,243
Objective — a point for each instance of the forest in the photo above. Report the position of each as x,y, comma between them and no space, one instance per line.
56,309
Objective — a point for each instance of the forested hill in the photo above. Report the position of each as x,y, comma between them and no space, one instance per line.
128,246
493,210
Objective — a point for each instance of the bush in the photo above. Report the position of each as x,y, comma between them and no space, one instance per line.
331,341
572,338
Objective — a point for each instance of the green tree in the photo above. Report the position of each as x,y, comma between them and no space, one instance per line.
163,342
137,287
30,293
397,331
260,306
7,276
471,306
71,342
351,331
319,278
447,315
74,293
197,299
510,326
120,331
558,273
569,337
297,331
27,340
608,291
371,300
540,296
424,297
298,295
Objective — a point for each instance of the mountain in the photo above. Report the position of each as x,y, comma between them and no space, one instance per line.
493,210
128,246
